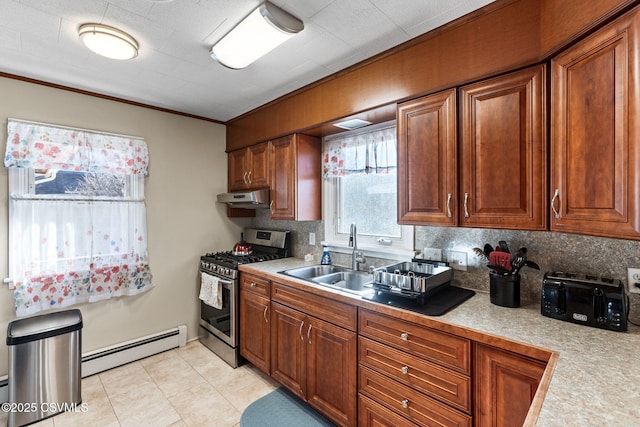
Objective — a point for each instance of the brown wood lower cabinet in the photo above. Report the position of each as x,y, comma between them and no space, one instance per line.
416,372
505,384
371,413
255,337
359,366
317,361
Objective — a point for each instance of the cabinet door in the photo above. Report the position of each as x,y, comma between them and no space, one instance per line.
283,182
296,173
255,339
427,165
595,156
288,348
505,384
237,164
258,175
331,371
503,152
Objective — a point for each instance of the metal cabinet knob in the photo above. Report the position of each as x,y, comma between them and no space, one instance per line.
405,403
253,284
404,336
405,370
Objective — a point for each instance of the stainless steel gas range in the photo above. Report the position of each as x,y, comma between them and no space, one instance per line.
219,322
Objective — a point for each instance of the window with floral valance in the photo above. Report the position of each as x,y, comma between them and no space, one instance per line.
360,187
363,152
77,217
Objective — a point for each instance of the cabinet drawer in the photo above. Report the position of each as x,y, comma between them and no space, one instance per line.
443,384
255,284
406,401
444,349
371,414
335,312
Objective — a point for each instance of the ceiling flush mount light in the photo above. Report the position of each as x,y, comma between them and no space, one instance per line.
263,30
108,41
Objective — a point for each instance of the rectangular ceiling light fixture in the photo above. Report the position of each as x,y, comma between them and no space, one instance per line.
263,30
352,124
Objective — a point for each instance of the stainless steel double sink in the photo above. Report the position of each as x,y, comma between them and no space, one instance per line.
333,276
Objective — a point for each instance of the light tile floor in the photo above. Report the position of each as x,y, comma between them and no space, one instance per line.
188,386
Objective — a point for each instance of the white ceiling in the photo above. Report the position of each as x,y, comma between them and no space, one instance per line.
39,39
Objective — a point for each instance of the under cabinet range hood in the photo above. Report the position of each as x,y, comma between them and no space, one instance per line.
254,199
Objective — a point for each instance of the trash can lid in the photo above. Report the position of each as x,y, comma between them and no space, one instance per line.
43,326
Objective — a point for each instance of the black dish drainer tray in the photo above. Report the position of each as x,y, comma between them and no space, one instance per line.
418,297
445,299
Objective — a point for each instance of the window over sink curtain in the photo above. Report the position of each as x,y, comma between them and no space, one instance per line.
361,152
77,217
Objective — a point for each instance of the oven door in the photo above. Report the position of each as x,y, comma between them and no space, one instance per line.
223,323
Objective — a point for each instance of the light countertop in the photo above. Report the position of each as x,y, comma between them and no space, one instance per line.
596,381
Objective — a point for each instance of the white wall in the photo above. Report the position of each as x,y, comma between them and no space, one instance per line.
187,168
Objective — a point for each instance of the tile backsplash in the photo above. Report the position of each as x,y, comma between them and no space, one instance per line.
552,251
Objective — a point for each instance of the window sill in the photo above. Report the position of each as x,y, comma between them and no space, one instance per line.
385,252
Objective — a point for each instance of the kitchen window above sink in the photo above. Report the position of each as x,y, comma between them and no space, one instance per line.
360,187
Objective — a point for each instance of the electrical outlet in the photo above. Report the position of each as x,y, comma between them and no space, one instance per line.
312,239
633,278
432,254
458,260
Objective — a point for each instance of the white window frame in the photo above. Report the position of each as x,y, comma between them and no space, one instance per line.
390,248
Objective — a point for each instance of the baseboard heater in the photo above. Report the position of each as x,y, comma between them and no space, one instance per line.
120,354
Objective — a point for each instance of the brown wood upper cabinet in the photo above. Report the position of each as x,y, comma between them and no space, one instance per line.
595,155
249,167
503,151
427,169
296,178
502,171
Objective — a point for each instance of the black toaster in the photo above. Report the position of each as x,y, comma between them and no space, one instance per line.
585,299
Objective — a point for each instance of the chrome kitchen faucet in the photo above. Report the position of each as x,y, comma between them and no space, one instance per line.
357,257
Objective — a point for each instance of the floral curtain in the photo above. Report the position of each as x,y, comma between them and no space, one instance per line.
361,153
68,250
43,146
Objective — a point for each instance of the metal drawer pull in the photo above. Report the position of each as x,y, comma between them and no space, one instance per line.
466,203
249,177
266,308
309,334
244,178
449,205
404,336
271,206
253,284
300,331
553,203
405,403
405,370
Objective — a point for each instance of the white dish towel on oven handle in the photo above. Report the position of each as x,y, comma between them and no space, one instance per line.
211,290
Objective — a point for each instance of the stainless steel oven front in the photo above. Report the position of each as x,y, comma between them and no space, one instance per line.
220,325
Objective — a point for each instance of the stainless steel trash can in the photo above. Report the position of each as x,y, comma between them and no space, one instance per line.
44,366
